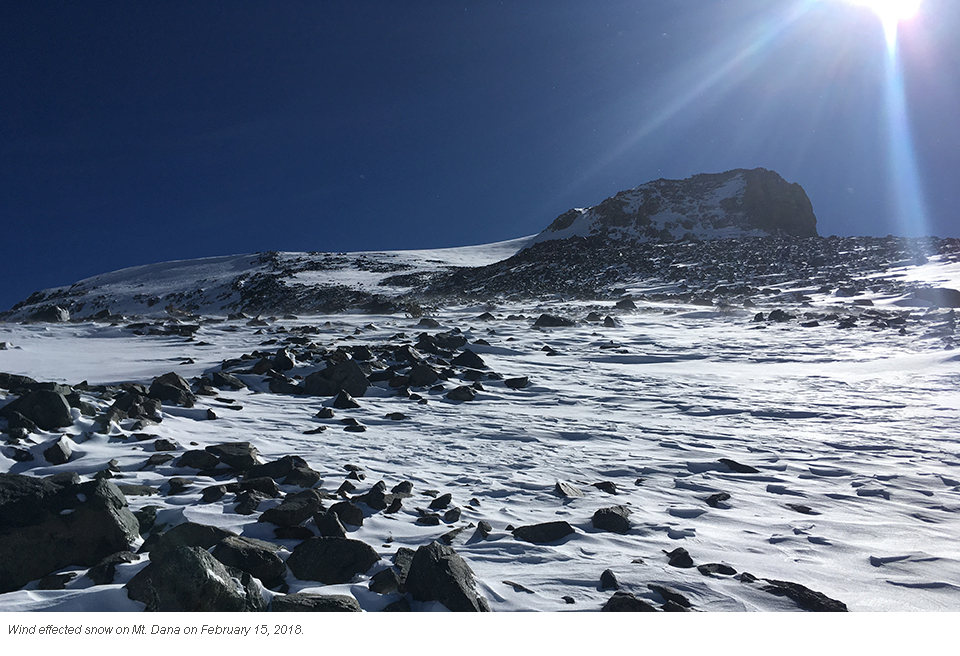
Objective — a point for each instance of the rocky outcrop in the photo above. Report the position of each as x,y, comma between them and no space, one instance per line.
46,526
738,203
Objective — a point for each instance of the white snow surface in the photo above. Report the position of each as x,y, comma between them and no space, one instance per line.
859,426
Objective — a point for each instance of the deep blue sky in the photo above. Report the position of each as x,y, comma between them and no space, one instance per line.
136,132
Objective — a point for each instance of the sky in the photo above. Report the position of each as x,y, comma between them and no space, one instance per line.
133,133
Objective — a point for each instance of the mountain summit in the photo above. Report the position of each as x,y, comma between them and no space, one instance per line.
738,203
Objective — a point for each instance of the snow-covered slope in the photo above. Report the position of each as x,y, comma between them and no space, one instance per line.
738,203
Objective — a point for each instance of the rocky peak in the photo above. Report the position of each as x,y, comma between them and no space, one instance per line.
738,203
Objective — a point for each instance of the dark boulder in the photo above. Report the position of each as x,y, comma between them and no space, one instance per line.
45,526
239,455
470,360
940,296
329,525
171,388
566,490
733,465
553,321
256,557
331,560
283,360
59,451
104,572
626,602
517,383
275,469
345,401
47,409
198,459
305,602
462,393
679,557
806,598
187,534
608,580
348,512
295,509
49,314
422,374
438,573
612,519
188,579
15,381
543,533
224,380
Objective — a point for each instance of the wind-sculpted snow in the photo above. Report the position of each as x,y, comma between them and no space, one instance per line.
795,454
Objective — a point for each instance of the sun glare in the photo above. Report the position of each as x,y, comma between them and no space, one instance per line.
890,12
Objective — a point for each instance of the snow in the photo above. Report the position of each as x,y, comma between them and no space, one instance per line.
857,425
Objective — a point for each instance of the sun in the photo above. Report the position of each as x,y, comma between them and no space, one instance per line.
890,12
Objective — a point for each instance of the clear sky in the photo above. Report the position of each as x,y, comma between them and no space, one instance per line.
137,132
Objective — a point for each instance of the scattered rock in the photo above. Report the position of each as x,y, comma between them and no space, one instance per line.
174,389
344,401
612,519
679,558
197,459
470,360
716,568
806,598
669,595
331,560
733,465
606,486
104,572
295,509
608,580
626,602
553,321
239,455
566,490
462,393
304,602
543,533
438,573
517,383
714,500
256,557
348,513
59,451
48,410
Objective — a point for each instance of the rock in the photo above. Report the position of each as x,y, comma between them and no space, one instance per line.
606,486
566,490
679,558
190,579
441,501
329,525
716,568
377,498
610,322
15,381
470,360
670,595
262,484
422,375
346,376
248,501
344,401
104,572
197,459
283,361
553,321
331,560
163,444
462,393
438,573
543,533
714,500
224,380
348,512
325,413
48,410
806,598
275,469
671,606
626,602
16,420
626,304
187,534
608,580
45,526
302,477
779,316
294,509
59,451
137,490
517,383
49,314
612,519
172,388
452,516
256,557
737,467
56,581
386,581
293,533
239,455
484,528
213,493
304,602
